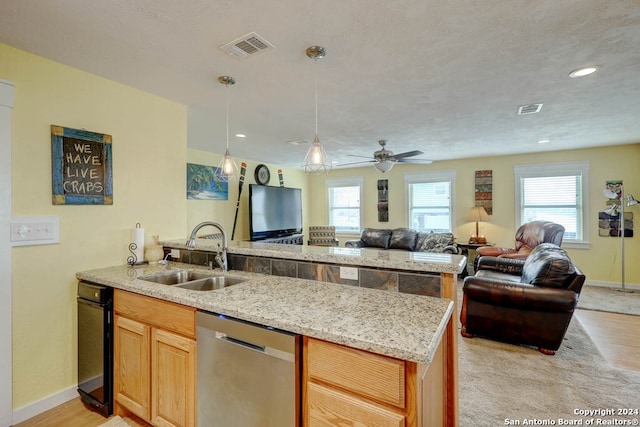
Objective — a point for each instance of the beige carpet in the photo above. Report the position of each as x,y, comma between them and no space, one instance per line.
500,381
115,422
608,299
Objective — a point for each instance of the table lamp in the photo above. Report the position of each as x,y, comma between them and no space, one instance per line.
476,215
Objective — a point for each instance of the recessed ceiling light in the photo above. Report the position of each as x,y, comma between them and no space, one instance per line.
581,72
241,135
543,141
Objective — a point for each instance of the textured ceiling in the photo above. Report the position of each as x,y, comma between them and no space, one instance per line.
444,77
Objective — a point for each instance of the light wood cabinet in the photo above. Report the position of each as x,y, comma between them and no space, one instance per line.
346,386
155,359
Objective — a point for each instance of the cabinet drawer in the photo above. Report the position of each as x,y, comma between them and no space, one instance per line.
330,407
163,314
370,375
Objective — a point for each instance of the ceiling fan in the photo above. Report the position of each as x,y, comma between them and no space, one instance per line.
385,159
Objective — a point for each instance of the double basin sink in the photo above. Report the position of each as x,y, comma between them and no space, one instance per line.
193,280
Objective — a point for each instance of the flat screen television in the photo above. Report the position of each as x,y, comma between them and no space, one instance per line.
274,211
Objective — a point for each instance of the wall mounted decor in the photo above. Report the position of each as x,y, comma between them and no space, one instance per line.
383,200
203,183
609,220
81,165
484,190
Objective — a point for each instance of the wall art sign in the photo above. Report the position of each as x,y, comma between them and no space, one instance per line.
81,167
383,200
202,183
484,190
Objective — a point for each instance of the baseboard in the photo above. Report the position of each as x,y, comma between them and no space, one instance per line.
613,285
44,404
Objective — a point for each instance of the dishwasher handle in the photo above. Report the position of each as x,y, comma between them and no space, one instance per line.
268,351
225,337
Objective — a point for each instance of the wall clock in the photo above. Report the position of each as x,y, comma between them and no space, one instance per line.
262,174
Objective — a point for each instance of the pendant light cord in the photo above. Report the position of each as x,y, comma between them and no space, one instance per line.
227,94
316,77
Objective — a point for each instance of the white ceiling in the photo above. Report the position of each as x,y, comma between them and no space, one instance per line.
444,77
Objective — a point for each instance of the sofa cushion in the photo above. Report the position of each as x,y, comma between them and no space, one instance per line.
375,238
548,265
403,238
436,242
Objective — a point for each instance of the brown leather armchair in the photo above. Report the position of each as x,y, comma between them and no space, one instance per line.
528,236
527,302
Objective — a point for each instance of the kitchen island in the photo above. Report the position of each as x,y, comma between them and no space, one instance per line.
414,330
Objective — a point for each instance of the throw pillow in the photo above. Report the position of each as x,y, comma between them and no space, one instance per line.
403,238
375,238
436,242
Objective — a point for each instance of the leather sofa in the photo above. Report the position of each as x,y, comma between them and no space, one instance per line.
527,302
405,239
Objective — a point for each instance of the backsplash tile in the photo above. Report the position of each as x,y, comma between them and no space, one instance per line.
390,280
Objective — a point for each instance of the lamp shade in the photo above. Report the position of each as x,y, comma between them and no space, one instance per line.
476,214
383,166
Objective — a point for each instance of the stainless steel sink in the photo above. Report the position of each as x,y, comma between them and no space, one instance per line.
212,283
193,280
175,277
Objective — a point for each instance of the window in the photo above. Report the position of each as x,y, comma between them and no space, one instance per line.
555,192
344,204
430,201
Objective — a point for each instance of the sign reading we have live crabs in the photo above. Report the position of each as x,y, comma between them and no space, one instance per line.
81,165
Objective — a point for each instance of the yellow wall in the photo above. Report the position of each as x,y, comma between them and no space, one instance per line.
149,140
223,212
601,262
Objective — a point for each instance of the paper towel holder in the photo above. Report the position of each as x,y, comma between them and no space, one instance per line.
133,258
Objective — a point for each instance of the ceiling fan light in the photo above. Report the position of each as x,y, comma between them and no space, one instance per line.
383,166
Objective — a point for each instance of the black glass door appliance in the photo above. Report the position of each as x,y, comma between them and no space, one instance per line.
95,346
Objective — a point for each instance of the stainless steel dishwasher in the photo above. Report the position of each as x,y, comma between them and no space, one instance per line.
248,374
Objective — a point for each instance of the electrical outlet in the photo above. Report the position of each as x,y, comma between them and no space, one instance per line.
349,273
175,253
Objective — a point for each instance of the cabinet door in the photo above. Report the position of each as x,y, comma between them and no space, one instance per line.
173,382
132,366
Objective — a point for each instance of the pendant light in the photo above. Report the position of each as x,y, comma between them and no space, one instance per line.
316,160
227,169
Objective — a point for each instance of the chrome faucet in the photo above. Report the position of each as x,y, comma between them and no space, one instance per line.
221,257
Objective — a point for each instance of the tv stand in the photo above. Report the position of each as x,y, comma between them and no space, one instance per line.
292,239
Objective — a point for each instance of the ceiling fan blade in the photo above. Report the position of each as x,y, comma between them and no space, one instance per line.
356,163
407,154
421,161
355,155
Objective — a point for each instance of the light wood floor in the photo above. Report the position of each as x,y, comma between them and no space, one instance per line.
615,335
74,413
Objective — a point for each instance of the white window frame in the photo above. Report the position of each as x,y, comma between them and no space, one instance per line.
414,178
557,169
344,182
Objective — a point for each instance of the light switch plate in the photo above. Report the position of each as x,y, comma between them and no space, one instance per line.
41,230
349,273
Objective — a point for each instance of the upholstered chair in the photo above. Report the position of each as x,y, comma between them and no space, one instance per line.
322,235
528,236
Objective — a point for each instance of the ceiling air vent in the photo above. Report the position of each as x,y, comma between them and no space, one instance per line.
246,46
529,109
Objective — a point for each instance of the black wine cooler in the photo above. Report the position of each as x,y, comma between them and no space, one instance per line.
95,346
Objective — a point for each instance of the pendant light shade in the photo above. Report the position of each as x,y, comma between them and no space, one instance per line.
316,160
227,169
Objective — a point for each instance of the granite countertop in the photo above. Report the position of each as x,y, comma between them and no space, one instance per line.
367,257
404,326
